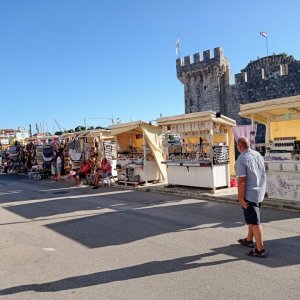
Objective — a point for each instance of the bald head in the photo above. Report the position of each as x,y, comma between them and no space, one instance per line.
243,143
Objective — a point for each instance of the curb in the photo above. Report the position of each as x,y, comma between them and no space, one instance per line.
270,203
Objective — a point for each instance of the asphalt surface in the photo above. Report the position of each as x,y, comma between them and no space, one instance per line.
62,242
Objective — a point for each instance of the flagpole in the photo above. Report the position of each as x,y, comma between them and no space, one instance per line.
177,46
265,35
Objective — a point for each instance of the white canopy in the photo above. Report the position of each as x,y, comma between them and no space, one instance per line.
281,109
196,117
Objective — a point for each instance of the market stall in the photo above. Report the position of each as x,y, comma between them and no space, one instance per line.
139,152
80,145
199,149
282,143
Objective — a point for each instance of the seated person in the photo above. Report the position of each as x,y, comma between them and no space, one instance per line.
6,164
102,172
82,173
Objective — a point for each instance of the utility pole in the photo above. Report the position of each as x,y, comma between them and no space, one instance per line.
30,132
58,125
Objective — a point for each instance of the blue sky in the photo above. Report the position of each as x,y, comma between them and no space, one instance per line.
72,60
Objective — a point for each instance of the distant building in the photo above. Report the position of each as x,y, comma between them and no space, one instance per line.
5,136
8,132
8,136
4,140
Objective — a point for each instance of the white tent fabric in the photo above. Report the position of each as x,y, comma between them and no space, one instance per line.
153,138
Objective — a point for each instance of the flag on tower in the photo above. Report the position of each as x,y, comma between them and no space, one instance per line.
177,46
264,34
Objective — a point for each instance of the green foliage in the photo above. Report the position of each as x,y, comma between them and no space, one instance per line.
80,128
284,55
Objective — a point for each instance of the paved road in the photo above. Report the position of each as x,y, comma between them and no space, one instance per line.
61,242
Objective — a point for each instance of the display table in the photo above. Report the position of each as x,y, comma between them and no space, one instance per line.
138,173
198,176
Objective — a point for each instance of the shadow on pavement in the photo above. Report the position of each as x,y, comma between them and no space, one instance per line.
132,272
279,257
135,216
125,225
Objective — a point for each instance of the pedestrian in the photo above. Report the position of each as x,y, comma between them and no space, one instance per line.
251,175
54,169
6,164
58,166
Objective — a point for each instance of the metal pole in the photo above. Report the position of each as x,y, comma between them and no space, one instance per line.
145,158
267,45
177,47
252,133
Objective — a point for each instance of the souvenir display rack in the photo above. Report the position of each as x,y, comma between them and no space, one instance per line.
131,164
202,157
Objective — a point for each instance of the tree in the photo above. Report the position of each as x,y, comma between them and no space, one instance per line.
80,128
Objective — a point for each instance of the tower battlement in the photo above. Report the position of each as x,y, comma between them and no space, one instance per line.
197,60
268,61
265,68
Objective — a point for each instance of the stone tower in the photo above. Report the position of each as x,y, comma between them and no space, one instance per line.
206,81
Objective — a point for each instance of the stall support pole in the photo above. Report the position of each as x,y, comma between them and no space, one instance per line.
145,157
117,150
228,166
267,139
252,137
212,164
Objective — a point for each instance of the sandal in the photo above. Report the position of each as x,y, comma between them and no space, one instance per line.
246,243
257,253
